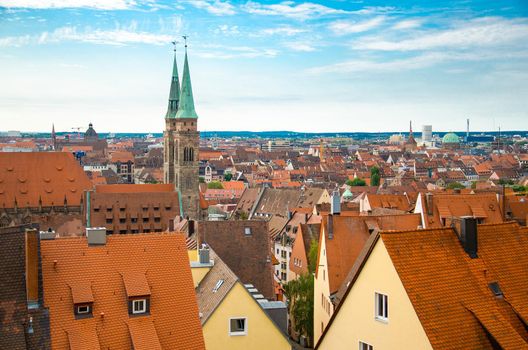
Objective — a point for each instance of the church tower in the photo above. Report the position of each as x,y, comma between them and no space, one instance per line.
181,142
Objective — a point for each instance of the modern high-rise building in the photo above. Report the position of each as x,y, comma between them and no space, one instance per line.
181,141
427,133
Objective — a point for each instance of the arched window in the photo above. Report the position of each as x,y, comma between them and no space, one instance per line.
191,154
186,154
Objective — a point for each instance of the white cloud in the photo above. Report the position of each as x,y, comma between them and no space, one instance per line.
407,24
412,63
299,46
347,27
283,30
302,11
215,7
481,32
119,36
230,52
46,4
225,29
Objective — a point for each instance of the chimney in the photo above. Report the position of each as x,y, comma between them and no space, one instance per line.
330,226
429,203
171,225
335,203
468,235
47,235
96,235
190,225
32,266
203,254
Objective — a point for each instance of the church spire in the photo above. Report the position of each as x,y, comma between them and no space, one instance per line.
186,107
174,95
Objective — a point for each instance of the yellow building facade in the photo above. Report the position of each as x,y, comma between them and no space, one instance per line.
356,321
323,308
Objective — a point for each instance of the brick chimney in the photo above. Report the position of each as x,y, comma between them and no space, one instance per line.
32,266
429,203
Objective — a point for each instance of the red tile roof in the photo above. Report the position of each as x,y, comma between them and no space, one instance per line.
161,258
134,188
48,177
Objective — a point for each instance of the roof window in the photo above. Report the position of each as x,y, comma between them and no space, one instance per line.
218,285
496,289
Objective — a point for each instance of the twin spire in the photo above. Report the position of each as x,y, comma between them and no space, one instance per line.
181,102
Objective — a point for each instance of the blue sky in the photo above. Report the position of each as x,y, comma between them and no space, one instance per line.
266,65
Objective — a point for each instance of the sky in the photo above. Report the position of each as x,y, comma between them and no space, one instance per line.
307,66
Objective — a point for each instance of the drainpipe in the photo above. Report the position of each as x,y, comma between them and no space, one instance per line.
88,221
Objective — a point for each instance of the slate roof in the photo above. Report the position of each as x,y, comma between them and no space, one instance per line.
163,261
249,256
14,314
50,177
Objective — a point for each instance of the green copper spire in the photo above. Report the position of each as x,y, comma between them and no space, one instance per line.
174,95
186,107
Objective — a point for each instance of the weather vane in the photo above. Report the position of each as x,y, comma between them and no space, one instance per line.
185,38
174,43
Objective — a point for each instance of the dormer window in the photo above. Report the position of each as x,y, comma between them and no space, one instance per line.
83,309
139,306
138,293
83,300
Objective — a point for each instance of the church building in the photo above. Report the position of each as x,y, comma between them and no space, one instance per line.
181,140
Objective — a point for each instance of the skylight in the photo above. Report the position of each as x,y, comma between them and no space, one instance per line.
218,285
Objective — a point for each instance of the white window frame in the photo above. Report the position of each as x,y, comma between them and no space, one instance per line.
381,314
363,345
136,310
238,333
247,231
86,307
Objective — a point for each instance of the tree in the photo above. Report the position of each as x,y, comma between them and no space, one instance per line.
228,176
300,294
454,185
215,185
201,179
242,215
374,176
356,182
505,182
312,255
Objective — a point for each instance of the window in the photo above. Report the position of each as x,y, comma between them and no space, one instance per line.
283,276
84,309
108,221
365,346
145,219
238,326
139,306
382,307
122,221
277,251
247,230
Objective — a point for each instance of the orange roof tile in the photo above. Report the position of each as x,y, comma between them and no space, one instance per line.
121,156
46,178
136,284
450,291
162,258
82,293
83,337
143,334
350,235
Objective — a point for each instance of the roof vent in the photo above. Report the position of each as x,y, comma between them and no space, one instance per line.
96,235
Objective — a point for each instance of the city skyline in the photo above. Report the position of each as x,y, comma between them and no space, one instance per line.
326,66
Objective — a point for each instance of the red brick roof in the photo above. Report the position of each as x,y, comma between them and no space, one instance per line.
161,258
51,177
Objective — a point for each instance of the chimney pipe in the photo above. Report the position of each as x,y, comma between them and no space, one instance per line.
468,235
203,254
330,226
429,203
335,203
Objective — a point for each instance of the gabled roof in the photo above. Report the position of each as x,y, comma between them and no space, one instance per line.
161,258
350,235
214,287
451,293
46,178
